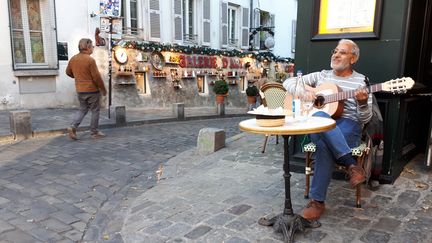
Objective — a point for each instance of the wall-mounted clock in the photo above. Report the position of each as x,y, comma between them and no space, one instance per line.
157,60
120,55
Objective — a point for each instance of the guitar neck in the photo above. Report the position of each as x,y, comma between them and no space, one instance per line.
350,93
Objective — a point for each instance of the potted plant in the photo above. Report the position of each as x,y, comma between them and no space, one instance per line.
220,88
251,93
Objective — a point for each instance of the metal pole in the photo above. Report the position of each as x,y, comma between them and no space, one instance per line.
110,68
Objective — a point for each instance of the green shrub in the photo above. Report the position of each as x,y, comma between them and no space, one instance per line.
220,87
252,90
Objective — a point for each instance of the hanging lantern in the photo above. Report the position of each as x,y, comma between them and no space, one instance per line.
269,42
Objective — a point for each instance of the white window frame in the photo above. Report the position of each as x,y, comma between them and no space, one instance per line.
49,37
127,21
233,31
190,35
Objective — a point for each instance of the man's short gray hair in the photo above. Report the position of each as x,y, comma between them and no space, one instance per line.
355,48
85,44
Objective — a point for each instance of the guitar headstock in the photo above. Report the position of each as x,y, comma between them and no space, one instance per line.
399,85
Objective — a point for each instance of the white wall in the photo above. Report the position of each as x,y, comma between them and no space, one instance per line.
8,83
72,25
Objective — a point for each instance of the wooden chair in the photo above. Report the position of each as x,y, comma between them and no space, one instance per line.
273,96
361,153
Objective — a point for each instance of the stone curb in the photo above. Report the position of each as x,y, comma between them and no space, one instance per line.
5,138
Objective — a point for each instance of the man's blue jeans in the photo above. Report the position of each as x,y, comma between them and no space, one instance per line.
330,146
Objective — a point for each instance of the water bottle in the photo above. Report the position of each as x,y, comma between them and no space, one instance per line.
296,97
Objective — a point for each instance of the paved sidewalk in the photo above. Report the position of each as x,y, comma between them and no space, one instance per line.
54,121
219,198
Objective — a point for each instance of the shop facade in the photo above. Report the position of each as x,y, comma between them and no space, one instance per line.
161,52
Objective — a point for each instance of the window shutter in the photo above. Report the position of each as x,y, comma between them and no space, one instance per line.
224,24
257,23
155,23
245,28
178,21
206,22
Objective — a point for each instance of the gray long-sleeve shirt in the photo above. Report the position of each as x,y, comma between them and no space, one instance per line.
352,110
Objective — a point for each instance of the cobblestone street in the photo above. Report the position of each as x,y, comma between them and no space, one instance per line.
58,190
147,184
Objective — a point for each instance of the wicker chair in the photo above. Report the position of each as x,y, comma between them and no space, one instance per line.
273,96
361,153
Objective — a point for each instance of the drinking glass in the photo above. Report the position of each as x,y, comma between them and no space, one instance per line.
307,104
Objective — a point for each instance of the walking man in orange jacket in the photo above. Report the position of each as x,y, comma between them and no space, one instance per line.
89,87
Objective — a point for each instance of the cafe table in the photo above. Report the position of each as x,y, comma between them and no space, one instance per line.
288,222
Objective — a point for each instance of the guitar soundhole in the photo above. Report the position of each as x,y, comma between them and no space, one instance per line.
319,102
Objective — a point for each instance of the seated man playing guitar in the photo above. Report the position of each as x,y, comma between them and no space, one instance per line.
334,145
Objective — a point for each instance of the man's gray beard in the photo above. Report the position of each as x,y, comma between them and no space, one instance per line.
339,67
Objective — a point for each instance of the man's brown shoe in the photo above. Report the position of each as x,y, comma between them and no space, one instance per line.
72,133
97,135
357,175
313,210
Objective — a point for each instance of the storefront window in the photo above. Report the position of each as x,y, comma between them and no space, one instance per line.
142,83
201,84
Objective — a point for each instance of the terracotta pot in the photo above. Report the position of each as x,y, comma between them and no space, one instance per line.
251,99
220,99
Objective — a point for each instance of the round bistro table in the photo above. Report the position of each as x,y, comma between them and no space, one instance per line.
288,222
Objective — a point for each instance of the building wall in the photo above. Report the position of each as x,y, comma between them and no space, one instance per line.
73,22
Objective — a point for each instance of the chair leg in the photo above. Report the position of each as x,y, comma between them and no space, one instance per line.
265,144
277,139
308,172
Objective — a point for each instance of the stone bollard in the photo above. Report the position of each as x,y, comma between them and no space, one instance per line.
120,116
20,124
221,109
178,110
210,140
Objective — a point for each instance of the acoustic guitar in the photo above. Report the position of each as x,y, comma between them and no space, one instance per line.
330,97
